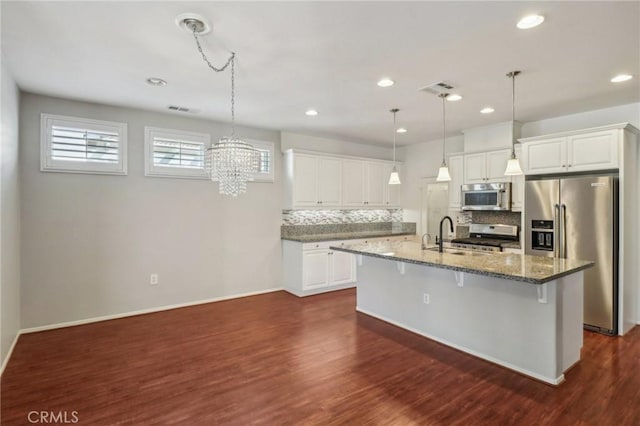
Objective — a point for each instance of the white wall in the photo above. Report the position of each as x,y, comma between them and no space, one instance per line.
90,242
9,216
334,146
421,163
629,113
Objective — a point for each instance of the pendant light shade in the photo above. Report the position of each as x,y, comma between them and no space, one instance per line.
443,171
513,165
394,177
443,174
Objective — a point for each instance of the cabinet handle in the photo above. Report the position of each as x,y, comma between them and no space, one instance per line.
568,165
320,202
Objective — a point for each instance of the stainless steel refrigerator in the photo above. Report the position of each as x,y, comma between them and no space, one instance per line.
577,218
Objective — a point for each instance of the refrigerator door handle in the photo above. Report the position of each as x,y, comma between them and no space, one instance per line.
564,231
557,227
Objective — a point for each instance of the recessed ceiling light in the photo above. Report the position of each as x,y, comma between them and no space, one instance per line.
621,77
454,97
401,130
386,82
487,110
530,21
156,81
311,112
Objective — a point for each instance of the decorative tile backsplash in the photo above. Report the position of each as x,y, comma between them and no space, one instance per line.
332,217
503,218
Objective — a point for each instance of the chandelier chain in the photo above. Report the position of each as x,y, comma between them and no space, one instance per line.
231,61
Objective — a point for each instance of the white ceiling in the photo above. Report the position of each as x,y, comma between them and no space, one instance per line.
329,56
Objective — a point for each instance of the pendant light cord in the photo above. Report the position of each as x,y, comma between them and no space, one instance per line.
513,115
394,136
444,163
231,61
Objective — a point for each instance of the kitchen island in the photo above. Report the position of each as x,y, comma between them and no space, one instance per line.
522,312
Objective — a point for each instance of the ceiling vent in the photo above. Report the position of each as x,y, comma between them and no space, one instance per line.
437,88
178,108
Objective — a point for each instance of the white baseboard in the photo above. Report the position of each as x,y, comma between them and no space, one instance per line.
6,358
304,293
144,311
550,380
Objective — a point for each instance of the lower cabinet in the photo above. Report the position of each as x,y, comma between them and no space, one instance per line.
313,268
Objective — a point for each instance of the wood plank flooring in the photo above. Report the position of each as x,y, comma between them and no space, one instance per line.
277,359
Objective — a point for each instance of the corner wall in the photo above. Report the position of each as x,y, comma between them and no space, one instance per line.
9,216
90,242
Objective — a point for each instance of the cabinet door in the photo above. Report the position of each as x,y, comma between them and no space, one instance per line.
315,268
497,164
593,151
517,193
305,180
547,156
391,192
475,168
330,182
343,268
375,184
353,183
456,170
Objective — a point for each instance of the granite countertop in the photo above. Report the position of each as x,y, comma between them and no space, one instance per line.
517,267
515,245
315,238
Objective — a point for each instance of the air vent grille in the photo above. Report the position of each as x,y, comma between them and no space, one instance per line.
438,88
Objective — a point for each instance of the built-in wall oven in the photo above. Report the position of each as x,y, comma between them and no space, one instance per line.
486,196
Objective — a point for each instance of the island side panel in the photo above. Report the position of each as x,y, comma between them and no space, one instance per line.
496,319
571,314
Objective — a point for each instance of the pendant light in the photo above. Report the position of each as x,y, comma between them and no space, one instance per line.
513,165
443,171
394,178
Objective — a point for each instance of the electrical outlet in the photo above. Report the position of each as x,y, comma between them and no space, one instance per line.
426,298
153,279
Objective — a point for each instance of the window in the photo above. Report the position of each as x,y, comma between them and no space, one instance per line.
175,153
266,160
81,145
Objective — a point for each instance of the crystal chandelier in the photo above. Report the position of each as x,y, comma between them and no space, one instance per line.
231,161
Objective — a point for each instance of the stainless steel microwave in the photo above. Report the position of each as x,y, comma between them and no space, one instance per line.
486,196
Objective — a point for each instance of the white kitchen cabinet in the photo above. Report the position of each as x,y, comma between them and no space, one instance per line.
573,152
314,180
317,181
365,184
592,151
486,167
353,183
456,171
313,268
374,184
517,187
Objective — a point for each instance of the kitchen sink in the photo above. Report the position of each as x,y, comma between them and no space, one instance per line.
459,252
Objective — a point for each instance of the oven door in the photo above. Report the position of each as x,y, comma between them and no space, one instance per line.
486,196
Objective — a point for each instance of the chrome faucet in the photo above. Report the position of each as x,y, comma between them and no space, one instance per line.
440,247
424,246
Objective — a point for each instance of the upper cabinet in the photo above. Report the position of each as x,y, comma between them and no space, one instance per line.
485,167
316,181
456,171
326,181
594,149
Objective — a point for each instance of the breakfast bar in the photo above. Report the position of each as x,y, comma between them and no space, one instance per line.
522,312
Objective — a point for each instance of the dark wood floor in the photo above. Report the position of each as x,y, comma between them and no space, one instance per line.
278,359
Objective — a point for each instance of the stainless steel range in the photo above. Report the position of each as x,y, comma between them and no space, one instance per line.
484,237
